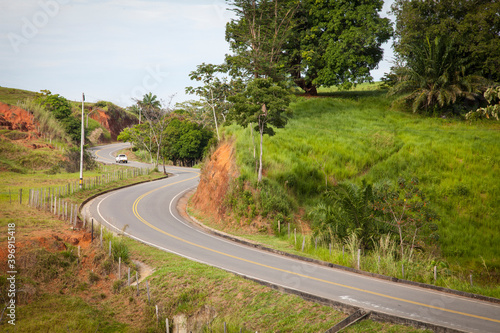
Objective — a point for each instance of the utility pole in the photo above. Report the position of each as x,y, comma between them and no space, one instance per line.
81,144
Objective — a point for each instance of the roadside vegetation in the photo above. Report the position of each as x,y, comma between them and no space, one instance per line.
85,293
408,168
437,174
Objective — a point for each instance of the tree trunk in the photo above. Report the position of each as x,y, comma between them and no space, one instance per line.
309,88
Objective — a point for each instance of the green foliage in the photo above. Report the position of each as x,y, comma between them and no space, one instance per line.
58,105
338,43
60,108
435,77
473,25
185,141
73,157
48,124
406,209
355,136
214,92
312,43
346,212
492,111
148,105
258,36
265,103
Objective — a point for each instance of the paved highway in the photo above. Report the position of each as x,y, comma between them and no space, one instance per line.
147,212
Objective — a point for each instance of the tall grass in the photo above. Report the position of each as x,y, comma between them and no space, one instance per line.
329,140
48,124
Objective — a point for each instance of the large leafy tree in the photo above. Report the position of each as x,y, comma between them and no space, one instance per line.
315,43
185,141
336,42
474,25
264,103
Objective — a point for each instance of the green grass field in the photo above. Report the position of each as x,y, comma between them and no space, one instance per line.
357,136
12,96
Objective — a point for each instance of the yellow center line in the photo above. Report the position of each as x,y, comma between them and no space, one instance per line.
136,213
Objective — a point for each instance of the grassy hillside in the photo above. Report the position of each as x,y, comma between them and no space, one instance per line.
356,136
12,96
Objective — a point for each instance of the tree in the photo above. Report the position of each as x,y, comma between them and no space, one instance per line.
150,134
434,75
265,103
148,104
139,136
314,43
60,107
474,25
185,141
157,120
336,43
214,91
257,36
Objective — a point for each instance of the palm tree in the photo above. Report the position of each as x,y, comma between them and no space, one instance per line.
435,76
148,103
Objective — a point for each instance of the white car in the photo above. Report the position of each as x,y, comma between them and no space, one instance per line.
122,158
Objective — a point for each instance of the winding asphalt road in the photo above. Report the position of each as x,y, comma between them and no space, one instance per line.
147,212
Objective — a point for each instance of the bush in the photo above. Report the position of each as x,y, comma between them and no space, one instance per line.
72,160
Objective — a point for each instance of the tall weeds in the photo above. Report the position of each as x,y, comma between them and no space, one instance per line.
47,123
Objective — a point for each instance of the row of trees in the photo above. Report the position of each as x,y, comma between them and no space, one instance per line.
167,134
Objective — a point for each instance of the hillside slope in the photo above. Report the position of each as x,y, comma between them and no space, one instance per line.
359,138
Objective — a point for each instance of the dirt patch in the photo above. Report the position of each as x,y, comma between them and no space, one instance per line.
207,203
214,182
114,120
14,118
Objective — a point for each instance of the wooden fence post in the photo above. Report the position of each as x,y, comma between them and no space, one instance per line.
137,280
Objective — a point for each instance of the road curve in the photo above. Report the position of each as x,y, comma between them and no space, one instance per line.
147,212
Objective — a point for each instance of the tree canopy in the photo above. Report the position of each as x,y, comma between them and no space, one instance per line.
336,43
474,25
313,43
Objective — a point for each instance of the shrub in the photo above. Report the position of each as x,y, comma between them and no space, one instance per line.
72,160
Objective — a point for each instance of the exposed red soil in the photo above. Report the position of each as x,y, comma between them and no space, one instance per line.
15,118
89,266
214,182
113,121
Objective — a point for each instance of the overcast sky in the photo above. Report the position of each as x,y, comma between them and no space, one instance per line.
114,50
